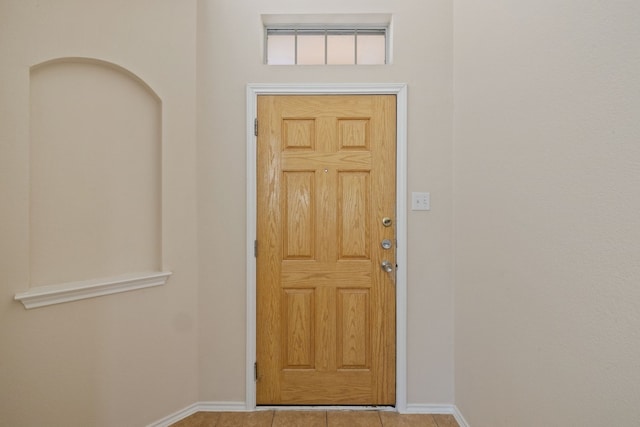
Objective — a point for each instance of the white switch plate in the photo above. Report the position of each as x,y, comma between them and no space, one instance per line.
420,201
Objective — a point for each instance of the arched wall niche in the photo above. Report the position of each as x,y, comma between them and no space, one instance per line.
100,63
95,202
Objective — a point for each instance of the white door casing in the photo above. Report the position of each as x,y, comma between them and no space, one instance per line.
398,89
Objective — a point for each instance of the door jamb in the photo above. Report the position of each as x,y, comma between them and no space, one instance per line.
398,89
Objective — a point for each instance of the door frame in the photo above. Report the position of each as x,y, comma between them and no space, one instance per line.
398,89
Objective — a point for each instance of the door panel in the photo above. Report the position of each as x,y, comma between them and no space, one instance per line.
353,215
325,308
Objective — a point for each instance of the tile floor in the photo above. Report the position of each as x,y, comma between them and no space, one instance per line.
315,419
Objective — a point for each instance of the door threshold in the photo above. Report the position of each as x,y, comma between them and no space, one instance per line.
385,408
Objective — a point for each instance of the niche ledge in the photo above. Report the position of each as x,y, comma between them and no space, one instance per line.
42,296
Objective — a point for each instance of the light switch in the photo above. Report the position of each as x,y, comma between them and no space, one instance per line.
420,201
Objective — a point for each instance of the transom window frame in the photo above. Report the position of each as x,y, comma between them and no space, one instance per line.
327,31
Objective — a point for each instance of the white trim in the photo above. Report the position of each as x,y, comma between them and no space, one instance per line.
199,407
428,408
459,418
327,19
65,292
223,407
398,89
176,416
421,408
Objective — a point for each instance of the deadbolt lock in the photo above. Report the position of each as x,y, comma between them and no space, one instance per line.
386,221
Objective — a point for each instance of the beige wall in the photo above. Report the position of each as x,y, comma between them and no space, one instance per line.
547,202
125,359
230,56
132,358
545,211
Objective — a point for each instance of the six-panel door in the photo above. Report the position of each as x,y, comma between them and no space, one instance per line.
325,307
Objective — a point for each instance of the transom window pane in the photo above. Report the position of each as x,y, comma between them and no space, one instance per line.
333,46
341,49
310,50
282,49
371,49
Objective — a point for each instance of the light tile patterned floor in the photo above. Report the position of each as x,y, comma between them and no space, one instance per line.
315,419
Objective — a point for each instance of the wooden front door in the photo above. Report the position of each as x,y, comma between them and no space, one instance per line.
325,306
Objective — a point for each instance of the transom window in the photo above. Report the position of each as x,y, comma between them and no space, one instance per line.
330,45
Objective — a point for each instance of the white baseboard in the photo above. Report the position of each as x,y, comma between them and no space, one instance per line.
412,408
176,416
459,418
422,408
199,407
222,407
428,408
